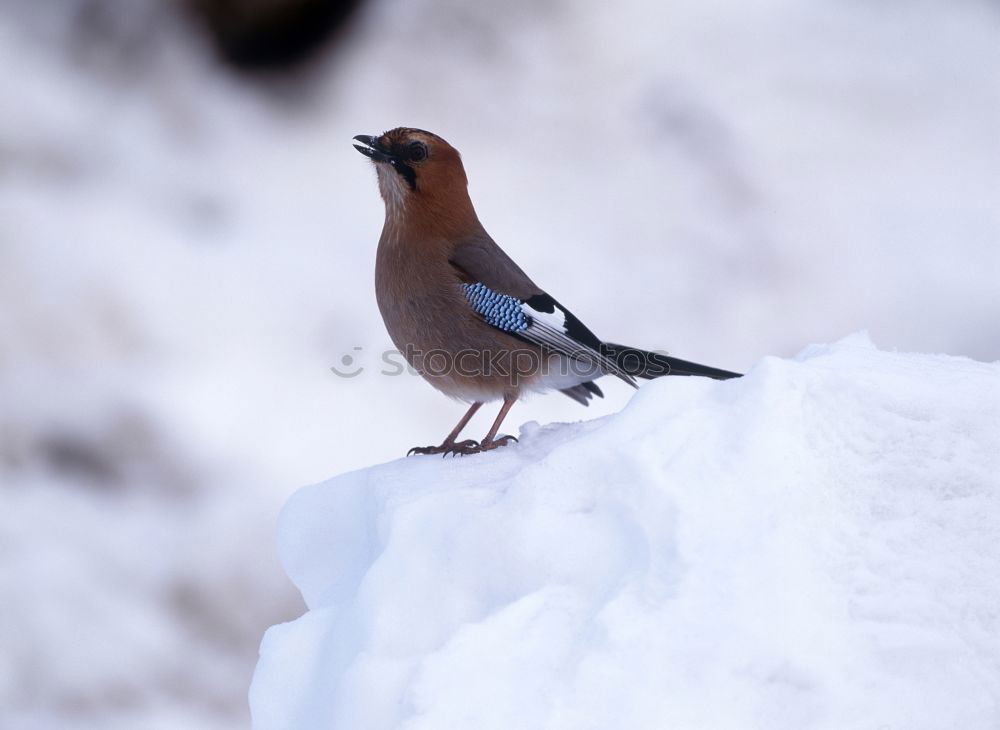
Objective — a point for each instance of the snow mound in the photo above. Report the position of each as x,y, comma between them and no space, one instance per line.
815,545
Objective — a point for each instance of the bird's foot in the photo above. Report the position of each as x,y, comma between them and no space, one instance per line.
463,448
424,450
468,446
497,443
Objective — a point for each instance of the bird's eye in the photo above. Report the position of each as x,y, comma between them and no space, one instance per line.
418,151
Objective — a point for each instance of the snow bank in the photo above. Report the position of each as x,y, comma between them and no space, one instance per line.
816,545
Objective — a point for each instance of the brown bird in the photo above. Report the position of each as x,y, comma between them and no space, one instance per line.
465,316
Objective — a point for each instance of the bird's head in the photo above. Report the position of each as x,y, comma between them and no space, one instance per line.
417,171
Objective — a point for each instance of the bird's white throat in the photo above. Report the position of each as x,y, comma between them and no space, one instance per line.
393,189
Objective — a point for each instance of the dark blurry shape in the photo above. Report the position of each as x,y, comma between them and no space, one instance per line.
75,457
261,35
119,451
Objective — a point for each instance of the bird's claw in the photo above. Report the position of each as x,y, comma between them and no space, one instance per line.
424,450
462,448
468,446
497,443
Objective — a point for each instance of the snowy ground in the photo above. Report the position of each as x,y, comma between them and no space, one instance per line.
184,255
815,545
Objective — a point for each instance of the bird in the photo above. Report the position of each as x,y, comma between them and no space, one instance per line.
463,313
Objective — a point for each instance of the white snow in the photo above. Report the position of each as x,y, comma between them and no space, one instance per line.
815,545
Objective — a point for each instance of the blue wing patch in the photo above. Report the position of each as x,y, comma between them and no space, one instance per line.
499,310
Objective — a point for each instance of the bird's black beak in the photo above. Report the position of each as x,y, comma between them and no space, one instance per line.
372,149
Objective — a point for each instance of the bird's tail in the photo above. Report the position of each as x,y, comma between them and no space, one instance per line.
643,364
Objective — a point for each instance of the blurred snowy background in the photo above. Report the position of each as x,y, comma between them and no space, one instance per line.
187,241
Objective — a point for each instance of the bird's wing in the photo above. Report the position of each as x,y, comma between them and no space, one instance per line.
480,259
504,297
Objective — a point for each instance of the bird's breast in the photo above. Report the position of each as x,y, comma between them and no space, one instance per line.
419,298
429,319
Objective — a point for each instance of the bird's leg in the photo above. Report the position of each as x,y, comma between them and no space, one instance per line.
489,442
449,444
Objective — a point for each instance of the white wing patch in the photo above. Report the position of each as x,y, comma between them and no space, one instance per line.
556,319
551,329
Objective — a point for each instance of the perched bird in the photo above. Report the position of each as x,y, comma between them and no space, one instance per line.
465,316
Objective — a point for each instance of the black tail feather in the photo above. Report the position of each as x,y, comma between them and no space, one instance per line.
583,392
644,364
